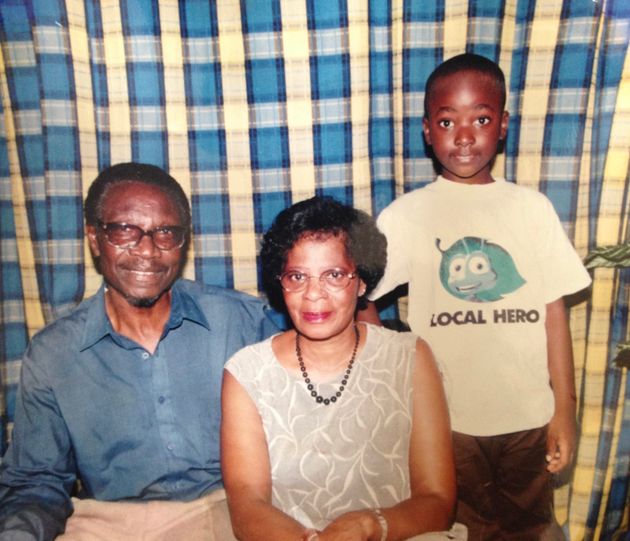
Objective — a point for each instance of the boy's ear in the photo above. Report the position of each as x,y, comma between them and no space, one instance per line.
505,119
425,129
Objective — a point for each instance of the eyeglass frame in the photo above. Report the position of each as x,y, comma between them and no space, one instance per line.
143,233
322,282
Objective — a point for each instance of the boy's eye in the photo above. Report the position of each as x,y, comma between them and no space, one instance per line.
483,120
445,123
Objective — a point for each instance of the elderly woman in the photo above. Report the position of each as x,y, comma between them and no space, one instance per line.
333,430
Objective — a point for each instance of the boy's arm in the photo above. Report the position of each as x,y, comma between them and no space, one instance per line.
561,438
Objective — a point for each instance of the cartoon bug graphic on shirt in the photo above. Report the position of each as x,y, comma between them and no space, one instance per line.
474,269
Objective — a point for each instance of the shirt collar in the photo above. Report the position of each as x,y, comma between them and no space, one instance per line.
183,306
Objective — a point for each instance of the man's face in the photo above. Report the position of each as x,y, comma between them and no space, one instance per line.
464,125
143,273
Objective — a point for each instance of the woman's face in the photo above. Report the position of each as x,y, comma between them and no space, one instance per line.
316,312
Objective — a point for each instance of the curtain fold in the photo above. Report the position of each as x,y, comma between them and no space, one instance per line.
255,104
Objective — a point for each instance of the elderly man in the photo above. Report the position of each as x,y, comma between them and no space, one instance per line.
123,394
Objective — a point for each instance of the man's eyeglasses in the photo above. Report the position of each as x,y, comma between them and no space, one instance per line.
331,280
166,237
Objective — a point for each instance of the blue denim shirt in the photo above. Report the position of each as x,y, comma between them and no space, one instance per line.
129,424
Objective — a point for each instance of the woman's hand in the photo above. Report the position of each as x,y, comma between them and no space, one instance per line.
353,526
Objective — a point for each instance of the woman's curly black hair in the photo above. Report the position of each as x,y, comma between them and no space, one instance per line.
323,216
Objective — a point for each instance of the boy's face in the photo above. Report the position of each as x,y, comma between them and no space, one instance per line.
464,125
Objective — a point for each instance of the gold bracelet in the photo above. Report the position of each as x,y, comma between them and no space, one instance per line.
382,521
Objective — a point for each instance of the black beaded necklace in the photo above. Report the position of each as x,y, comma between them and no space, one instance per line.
319,398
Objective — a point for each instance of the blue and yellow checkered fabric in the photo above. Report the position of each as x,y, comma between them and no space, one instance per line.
255,104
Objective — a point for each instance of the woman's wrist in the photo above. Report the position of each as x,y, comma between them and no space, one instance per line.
310,535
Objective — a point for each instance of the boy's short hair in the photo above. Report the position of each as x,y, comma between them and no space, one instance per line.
465,62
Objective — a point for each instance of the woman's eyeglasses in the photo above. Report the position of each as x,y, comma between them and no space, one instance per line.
166,237
331,280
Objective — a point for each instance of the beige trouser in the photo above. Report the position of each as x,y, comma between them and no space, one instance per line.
205,519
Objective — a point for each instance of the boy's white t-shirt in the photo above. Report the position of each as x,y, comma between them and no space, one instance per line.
482,262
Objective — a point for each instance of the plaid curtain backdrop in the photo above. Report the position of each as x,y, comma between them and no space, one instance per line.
255,104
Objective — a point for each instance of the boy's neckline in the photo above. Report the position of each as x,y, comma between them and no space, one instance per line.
495,181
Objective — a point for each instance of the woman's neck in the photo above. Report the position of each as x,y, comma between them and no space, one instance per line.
329,356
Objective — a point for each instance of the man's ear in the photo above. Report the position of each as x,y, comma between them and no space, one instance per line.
93,240
425,129
505,119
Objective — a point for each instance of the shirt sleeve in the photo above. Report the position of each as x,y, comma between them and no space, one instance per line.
38,470
396,270
259,320
564,271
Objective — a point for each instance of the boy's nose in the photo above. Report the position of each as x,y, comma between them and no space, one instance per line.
464,136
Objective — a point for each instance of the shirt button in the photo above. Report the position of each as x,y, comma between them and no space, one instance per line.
145,355
170,446
161,400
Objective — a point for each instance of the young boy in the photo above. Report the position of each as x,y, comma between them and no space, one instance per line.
487,263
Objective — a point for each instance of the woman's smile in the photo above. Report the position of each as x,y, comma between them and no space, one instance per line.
315,317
